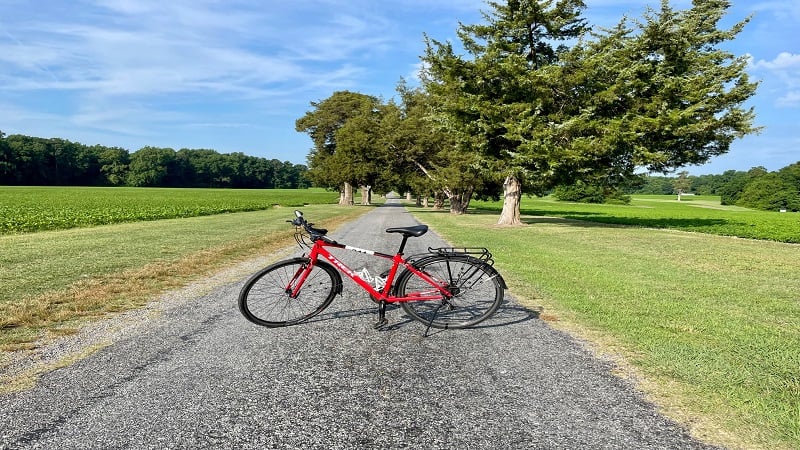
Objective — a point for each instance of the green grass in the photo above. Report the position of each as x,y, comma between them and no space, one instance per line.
52,279
715,319
31,209
698,213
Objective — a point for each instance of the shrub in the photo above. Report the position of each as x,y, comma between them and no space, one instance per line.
770,192
585,193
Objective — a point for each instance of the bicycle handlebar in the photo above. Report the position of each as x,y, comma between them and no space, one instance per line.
300,221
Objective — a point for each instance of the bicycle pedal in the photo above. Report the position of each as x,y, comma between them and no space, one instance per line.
380,324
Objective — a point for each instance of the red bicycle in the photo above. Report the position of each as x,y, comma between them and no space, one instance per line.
444,288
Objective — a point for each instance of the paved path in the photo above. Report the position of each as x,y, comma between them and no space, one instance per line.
200,376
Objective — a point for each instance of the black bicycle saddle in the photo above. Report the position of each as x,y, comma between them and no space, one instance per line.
416,231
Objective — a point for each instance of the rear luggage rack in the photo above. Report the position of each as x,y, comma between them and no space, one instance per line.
476,252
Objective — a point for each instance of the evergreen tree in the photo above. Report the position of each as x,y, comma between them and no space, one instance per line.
659,94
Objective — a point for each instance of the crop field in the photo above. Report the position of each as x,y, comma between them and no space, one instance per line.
31,209
702,214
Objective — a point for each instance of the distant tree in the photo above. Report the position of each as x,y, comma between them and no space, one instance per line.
423,158
737,183
28,154
113,165
791,174
8,163
655,185
327,166
682,184
706,184
360,153
770,192
586,193
149,166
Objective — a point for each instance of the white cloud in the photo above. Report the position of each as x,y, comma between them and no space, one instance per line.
781,77
138,69
153,47
784,61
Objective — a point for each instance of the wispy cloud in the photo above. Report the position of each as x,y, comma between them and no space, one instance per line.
234,75
785,61
126,66
782,75
144,48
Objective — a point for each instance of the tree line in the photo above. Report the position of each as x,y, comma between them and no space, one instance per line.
534,98
756,188
26,160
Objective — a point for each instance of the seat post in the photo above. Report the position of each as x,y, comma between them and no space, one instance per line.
403,244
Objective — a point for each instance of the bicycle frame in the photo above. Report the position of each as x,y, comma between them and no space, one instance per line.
319,250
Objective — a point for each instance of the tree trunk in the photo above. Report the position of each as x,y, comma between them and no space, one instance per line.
346,197
438,200
512,193
459,201
365,195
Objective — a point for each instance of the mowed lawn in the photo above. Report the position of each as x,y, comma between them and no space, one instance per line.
709,324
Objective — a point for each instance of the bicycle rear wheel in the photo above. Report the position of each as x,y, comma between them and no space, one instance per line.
476,287
265,298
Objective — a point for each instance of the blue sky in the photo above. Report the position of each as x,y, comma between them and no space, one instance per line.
234,75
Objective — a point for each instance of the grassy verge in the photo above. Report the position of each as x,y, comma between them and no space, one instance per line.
712,323
54,280
698,213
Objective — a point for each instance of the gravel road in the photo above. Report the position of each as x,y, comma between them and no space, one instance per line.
193,373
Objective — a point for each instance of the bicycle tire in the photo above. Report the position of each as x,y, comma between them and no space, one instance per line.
477,288
264,301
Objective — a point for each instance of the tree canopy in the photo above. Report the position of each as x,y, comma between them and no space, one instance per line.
26,160
656,94
538,100
343,129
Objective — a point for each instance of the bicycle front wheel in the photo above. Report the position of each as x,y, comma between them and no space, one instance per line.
476,287
265,298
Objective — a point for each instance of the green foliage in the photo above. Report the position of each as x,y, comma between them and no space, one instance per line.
586,193
682,184
770,192
32,161
150,165
756,188
658,185
499,103
347,117
31,209
697,214
659,93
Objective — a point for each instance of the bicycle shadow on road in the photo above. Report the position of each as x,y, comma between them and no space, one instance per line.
509,313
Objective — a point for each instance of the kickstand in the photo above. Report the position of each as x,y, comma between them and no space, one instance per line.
435,311
381,315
